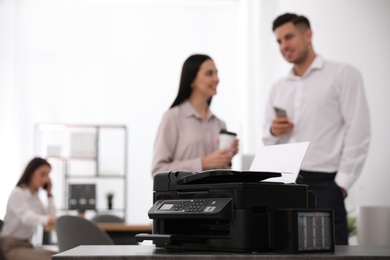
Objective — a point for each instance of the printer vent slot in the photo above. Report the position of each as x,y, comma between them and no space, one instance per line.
201,227
259,210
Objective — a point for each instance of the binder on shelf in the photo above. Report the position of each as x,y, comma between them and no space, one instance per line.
82,197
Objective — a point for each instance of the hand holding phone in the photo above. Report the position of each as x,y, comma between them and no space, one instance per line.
281,125
47,185
280,112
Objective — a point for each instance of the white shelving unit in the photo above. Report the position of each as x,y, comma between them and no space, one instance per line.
86,154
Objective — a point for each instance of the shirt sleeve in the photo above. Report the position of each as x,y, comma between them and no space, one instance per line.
18,204
268,138
51,209
354,109
165,146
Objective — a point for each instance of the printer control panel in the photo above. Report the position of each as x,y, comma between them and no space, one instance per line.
190,206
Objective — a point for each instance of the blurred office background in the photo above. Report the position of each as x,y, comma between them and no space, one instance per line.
119,62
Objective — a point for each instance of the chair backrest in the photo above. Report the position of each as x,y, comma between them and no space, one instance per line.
1,253
74,231
106,218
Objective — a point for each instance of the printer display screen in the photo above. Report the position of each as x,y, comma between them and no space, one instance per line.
166,206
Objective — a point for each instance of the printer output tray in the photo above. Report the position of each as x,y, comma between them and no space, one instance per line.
224,176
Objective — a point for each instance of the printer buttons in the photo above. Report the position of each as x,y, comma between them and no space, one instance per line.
210,209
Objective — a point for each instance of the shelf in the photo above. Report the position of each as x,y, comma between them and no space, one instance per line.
86,155
66,127
110,210
97,210
72,158
95,176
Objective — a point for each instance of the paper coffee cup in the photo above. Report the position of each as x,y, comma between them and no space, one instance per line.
226,139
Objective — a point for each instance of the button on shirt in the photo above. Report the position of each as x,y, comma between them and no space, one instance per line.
183,138
25,212
328,107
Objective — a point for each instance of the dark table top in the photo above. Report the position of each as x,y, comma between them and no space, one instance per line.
151,252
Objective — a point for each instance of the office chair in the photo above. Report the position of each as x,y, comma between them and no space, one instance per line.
74,231
1,253
106,218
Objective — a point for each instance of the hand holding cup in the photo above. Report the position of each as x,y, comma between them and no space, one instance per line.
228,140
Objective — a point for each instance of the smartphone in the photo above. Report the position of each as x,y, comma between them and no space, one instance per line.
280,112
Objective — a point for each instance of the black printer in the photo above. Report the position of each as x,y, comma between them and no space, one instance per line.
224,210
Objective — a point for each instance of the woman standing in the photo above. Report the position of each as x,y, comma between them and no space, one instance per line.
187,139
25,212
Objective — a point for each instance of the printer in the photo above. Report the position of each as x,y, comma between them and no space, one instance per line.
225,210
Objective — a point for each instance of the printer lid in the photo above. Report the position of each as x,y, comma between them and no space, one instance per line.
225,176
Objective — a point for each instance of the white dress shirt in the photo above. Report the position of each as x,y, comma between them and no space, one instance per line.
25,212
328,107
184,138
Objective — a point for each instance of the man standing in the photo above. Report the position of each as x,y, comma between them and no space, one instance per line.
322,102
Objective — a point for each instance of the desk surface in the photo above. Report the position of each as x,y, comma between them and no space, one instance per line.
125,227
117,227
151,252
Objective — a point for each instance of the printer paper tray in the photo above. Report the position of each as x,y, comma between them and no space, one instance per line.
169,239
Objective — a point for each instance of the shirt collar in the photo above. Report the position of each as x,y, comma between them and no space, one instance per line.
318,63
189,110
27,190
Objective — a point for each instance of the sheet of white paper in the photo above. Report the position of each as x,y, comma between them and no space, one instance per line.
284,158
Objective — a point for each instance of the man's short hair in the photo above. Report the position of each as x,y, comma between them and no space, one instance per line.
289,17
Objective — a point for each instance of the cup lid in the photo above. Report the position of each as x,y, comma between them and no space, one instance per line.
224,131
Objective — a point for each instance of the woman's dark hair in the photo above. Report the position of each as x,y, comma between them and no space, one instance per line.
30,169
288,17
188,74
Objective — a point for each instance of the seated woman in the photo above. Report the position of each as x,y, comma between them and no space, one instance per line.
187,139
25,212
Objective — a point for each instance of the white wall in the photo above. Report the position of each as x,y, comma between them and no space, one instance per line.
119,62
10,156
